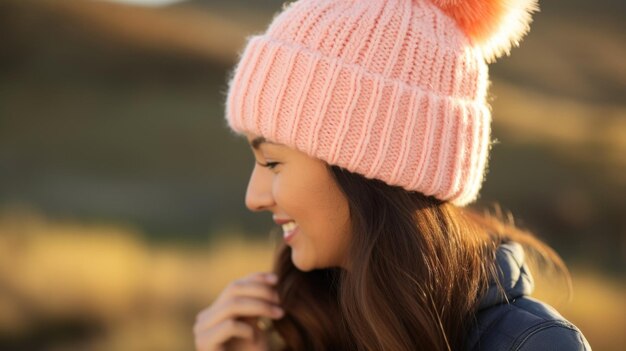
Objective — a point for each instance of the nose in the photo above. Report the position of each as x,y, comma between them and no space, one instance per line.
259,192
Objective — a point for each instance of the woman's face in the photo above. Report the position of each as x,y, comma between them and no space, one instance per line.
300,188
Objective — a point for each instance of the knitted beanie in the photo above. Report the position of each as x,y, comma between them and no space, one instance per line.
394,90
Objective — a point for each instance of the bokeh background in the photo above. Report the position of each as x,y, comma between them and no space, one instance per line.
122,195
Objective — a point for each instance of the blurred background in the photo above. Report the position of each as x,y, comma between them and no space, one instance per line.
122,194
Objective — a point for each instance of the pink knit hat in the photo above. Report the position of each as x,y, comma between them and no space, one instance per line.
391,89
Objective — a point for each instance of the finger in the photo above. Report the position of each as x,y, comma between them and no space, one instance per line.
256,277
213,338
254,285
257,290
261,277
238,307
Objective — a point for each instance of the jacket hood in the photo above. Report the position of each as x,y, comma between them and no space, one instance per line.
513,276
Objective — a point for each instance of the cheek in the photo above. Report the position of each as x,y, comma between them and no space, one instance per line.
308,195
289,195
330,231
331,245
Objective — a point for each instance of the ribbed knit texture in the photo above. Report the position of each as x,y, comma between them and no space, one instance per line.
390,89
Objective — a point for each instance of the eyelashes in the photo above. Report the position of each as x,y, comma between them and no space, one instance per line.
270,165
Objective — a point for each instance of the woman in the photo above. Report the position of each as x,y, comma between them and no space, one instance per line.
370,128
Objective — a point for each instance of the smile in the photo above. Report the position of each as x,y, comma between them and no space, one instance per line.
289,230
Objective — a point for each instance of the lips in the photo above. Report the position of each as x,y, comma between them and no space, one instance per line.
289,230
281,221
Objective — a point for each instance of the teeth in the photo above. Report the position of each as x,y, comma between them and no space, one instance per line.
289,227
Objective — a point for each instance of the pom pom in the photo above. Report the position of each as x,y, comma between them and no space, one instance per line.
493,25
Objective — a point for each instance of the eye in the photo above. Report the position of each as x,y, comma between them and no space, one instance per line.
270,165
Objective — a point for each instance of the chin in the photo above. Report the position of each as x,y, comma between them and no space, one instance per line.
302,266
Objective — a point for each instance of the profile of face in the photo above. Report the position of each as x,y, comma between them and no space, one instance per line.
297,187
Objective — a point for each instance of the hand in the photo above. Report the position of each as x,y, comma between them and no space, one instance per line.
230,323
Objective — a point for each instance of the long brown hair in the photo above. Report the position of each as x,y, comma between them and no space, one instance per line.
417,266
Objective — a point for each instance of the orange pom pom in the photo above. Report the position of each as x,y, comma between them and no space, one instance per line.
494,25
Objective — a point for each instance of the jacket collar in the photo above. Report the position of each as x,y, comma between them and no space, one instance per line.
513,275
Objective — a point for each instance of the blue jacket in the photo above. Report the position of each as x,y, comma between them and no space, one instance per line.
517,321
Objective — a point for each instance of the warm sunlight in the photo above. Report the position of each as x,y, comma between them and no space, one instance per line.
130,206
146,2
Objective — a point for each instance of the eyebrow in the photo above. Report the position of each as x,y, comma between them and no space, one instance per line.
256,142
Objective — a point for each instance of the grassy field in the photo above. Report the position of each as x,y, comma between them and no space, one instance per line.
113,114
69,286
